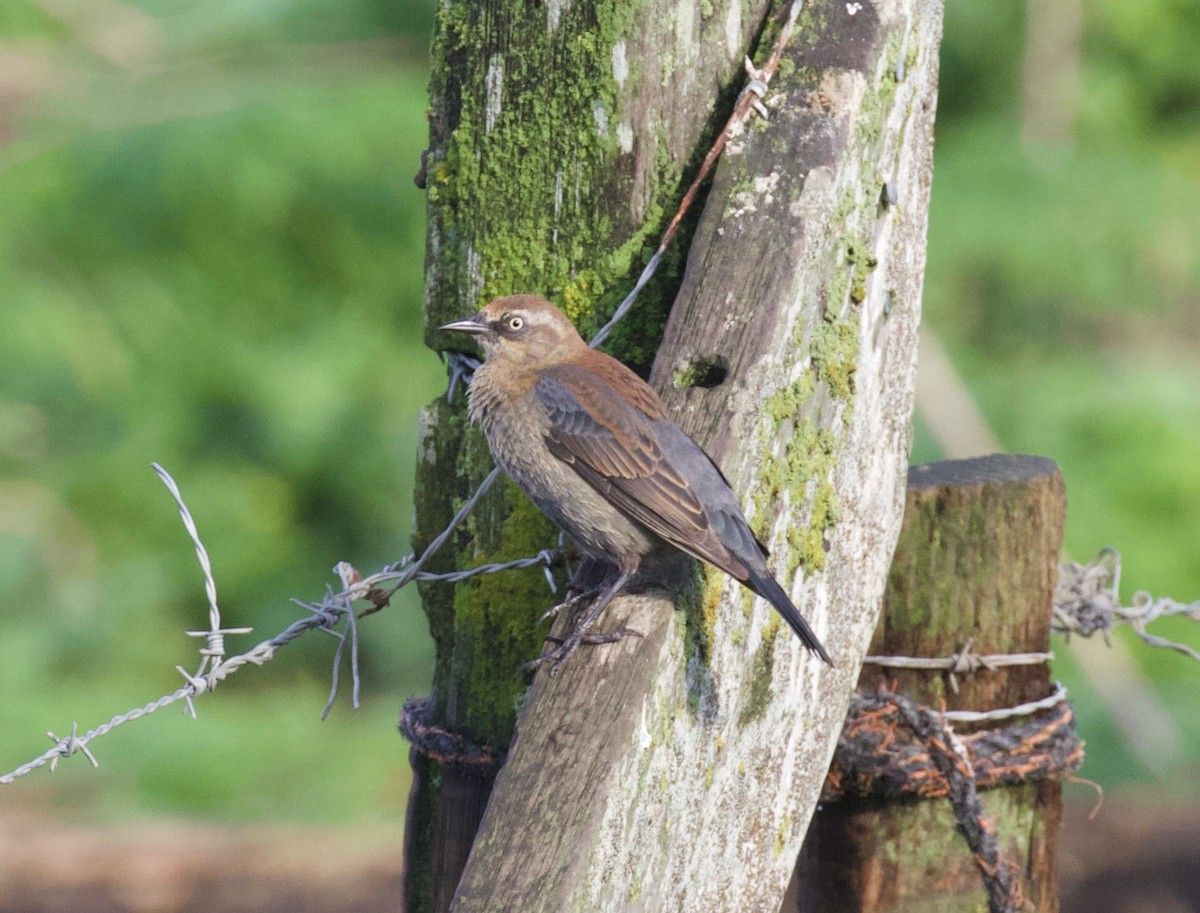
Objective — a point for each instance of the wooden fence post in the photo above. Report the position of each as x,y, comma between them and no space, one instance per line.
677,771
558,136
560,140
976,562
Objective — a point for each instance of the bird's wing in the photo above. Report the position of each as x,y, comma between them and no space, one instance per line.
612,439
610,427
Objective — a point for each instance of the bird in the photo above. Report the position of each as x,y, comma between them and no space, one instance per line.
592,445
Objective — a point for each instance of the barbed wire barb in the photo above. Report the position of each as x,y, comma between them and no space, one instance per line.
964,662
1087,601
68,745
750,99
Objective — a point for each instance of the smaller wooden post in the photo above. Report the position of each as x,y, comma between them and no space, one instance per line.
977,561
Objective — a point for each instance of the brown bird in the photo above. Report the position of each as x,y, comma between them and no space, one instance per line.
591,444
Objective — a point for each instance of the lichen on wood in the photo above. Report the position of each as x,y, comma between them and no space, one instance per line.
977,561
807,292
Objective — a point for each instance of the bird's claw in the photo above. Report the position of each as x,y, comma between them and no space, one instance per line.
568,645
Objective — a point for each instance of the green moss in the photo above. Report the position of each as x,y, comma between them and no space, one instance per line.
516,212
705,371
876,104
1013,819
781,833
757,697
800,474
710,604
861,265
666,727
812,21
806,417
495,623
766,40
525,193
635,889
418,887
792,399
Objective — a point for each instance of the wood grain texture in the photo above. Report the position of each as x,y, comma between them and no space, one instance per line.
554,154
977,560
679,771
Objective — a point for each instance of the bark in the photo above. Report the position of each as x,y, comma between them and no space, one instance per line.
678,770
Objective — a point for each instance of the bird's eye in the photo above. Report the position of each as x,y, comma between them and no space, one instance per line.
515,323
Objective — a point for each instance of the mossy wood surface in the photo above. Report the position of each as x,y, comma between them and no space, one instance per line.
977,560
678,771
562,136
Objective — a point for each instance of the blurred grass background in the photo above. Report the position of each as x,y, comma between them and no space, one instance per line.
211,256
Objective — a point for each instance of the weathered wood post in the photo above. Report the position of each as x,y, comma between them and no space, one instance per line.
556,156
677,770
977,561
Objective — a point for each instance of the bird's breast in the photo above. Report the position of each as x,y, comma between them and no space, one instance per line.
515,425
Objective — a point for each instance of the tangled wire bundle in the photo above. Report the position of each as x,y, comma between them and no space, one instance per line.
881,752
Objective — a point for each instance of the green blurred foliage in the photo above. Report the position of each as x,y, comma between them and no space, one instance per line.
1066,282
211,256
227,279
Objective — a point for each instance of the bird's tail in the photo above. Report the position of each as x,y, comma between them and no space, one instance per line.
768,587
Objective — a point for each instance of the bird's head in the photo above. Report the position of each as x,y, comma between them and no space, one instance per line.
524,328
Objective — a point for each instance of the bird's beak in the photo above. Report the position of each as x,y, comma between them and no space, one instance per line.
475,325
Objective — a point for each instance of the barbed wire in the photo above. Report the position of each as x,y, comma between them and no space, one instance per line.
1087,600
324,615
1090,605
1006,713
338,606
462,366
215,636
965,662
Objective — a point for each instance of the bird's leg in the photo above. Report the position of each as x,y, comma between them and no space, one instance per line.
591,575
580,635
587,581
573,599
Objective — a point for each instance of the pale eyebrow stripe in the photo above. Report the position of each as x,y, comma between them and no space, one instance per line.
534,317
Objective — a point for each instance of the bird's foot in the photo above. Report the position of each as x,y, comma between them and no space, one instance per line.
568,645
